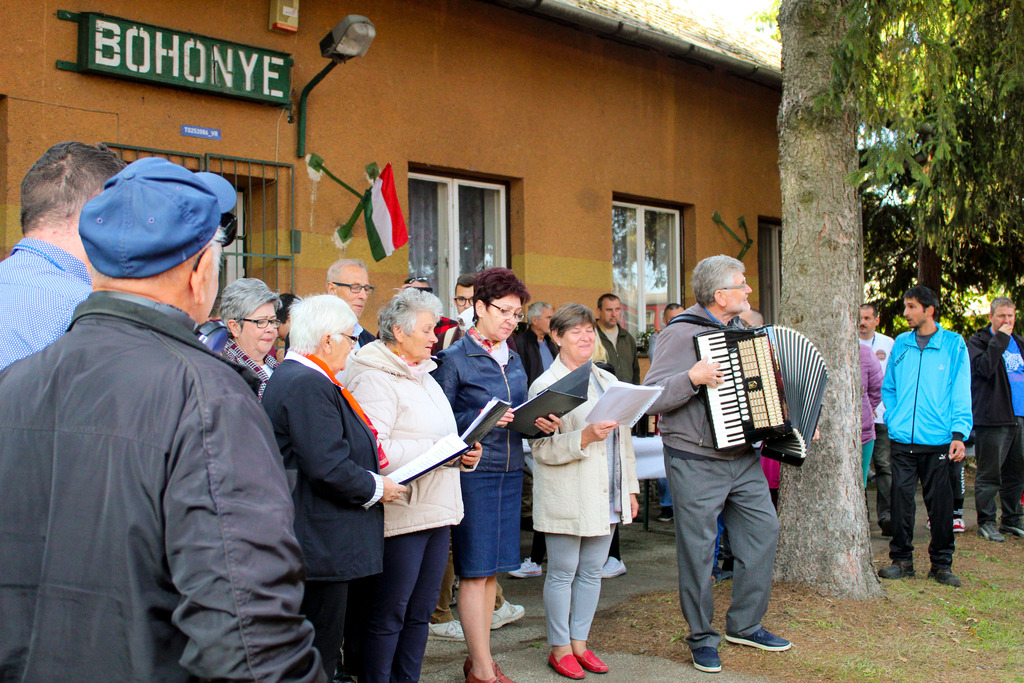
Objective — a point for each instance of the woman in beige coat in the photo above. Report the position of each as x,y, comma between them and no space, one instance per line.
391,380
584,483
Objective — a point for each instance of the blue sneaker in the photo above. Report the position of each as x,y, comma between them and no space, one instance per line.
706,659
761,639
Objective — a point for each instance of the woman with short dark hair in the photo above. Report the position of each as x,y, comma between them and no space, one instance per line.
584,485
473,370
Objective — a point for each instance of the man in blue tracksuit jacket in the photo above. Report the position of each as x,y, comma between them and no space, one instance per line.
927,396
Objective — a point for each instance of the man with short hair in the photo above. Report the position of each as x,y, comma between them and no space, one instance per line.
47,275
997,392
145,503
349,280
463,300
534,343
881,345
706,482
927,394
619,344
671,311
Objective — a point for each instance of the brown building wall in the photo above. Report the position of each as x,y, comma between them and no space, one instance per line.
569,120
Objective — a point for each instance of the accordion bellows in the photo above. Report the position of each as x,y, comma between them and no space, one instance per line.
774,385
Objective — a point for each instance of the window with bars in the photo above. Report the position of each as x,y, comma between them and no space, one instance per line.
267,242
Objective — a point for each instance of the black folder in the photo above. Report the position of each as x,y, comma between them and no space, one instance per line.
563,396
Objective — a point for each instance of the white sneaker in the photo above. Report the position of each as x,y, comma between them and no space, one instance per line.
958,525
506,614
449,630
528,569
612,568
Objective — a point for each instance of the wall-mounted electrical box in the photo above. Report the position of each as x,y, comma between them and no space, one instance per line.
284,16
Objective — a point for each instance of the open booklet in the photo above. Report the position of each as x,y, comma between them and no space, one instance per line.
452,446
560,398
623,403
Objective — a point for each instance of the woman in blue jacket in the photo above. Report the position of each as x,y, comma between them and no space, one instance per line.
472,371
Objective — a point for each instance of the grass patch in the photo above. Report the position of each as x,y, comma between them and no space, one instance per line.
918,633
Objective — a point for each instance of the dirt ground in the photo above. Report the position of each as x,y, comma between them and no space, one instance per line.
920,631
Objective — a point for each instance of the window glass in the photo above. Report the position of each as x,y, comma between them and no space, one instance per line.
645,289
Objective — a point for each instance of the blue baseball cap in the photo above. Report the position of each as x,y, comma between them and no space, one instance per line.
152,216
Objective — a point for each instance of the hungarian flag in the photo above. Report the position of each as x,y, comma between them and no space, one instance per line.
385,224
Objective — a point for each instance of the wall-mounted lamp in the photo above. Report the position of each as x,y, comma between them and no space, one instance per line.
350,38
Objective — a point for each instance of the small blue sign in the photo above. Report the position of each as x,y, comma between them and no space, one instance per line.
200,132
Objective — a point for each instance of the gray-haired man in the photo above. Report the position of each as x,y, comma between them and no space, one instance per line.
705,482
997,393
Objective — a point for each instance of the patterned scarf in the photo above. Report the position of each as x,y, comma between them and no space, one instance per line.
381,458
489,346
234,353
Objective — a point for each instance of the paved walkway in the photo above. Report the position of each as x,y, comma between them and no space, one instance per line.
521,647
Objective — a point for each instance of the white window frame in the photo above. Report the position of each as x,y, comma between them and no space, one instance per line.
448,265
675,259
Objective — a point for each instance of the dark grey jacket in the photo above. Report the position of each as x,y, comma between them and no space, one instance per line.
145,519
684,424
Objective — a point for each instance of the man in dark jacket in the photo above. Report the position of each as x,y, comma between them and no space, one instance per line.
618,343
534,343
997,392
146,523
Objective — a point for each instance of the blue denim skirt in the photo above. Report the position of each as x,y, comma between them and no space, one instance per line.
487,541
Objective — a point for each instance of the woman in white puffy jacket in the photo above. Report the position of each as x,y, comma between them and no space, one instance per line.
584,483
391,380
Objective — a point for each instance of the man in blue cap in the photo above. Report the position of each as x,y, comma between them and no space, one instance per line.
146,522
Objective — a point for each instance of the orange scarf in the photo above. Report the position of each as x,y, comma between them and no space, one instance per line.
382,459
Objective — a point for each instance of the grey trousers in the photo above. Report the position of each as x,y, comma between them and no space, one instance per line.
1000,455
881,458
701,489
573,584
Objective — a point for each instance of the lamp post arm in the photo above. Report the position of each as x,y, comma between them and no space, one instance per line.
301,151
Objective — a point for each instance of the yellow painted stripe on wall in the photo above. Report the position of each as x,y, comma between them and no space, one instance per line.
563,271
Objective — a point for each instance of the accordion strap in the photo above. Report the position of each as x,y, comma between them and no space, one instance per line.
697,320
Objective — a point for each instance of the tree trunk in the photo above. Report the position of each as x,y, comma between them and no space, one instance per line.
824,538
929,268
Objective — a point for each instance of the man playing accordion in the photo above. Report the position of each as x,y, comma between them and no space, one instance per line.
706,482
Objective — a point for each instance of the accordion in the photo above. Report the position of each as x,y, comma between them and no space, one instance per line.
772,392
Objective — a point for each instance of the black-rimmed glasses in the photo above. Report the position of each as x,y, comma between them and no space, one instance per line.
263,322
355,289
352,338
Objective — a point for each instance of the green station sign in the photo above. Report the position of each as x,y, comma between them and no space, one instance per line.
129,49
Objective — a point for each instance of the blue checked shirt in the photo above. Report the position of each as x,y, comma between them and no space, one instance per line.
40,287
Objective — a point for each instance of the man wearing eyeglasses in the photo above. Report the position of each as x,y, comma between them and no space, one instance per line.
145,500
706,482
349,279
47,273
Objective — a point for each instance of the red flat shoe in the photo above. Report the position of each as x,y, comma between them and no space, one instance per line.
467,666
589,661
566,666
470,678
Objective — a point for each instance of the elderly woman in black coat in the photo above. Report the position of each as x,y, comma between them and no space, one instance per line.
330,447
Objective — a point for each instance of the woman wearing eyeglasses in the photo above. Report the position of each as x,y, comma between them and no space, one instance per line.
331,451
249,309
472,371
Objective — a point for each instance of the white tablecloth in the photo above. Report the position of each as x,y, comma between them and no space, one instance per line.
650,459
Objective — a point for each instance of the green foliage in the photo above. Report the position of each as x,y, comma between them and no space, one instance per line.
939,86
982,269
767,21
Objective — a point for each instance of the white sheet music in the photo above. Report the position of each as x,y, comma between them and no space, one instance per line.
441,452
623,403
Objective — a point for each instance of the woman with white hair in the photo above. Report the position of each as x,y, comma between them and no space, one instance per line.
249,308
391,379
331,449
